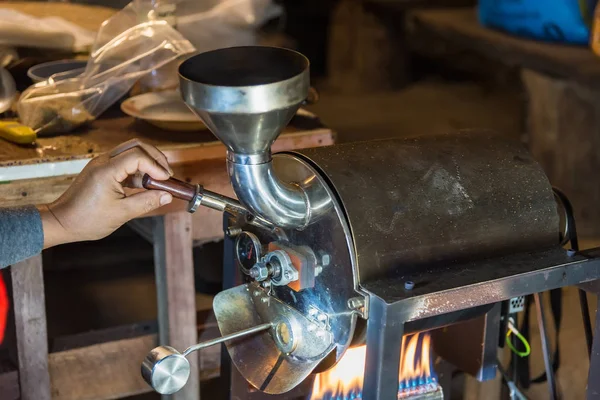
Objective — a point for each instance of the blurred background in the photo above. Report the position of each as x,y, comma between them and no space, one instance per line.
382,68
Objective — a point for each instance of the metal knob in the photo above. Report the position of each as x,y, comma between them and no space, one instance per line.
166,370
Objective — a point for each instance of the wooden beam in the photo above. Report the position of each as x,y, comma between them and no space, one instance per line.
454,31
104,371
174,266
107,366
30,325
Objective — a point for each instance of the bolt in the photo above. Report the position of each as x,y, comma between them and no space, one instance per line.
312,312
287,275
356,303
322,317
571,252
260,272
325,258
256,293
233,231
264,299
318,270
409,285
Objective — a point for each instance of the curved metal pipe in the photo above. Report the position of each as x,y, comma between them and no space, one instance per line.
261,191
288,205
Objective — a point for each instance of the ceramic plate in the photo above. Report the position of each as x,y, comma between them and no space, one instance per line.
163,109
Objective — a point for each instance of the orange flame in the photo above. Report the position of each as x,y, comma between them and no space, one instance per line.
345,379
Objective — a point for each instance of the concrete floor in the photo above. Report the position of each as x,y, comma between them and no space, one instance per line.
117,295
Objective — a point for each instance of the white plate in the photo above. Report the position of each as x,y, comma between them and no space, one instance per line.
163,109
167,110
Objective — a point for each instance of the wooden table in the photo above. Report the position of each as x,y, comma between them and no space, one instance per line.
562,86
41,174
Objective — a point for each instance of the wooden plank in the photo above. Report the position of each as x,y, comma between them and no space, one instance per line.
188,165
364,54
118,351
185,163
112,129
563,119
30,325
174,268
454,31
105,371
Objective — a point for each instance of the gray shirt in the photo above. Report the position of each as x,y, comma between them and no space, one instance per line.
21,234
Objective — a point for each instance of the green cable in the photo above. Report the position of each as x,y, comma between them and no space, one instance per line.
522,339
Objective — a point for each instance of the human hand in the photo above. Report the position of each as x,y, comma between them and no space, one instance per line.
96,204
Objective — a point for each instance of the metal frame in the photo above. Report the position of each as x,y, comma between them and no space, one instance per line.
441,290
519,275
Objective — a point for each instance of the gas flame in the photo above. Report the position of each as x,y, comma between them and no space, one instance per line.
345,379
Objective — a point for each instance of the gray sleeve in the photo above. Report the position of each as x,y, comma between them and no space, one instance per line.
21,234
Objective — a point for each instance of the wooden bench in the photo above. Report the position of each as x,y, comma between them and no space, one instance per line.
562,107
111,370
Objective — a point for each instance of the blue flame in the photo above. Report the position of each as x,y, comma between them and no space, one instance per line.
406,387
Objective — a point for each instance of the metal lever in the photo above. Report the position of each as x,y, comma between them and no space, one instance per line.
195,195
179,189
167,371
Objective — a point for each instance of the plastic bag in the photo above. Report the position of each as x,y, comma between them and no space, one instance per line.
24,30
113,68
562,21
207,24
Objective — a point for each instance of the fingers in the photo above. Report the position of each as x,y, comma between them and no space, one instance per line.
136,161
145,202
152,151
133,181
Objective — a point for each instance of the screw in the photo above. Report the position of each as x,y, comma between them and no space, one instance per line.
409,285
571,252
356,303
287,275
256,293
318,270
322,317
264,299
233,231
325,258
312,312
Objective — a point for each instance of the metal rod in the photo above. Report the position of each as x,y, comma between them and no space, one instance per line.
219,202
571,236
587,324
545,346
235,335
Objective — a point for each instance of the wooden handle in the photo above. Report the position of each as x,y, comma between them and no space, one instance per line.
177,188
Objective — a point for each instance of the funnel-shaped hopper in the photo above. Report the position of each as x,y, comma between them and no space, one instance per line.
246,95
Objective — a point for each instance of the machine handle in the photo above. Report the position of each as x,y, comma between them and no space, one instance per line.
231,336
179,189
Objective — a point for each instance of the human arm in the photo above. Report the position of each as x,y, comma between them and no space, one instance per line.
95,205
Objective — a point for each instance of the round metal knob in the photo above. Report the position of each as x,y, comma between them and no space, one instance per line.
166,370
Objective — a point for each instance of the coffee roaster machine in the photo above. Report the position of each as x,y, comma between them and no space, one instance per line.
361,243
